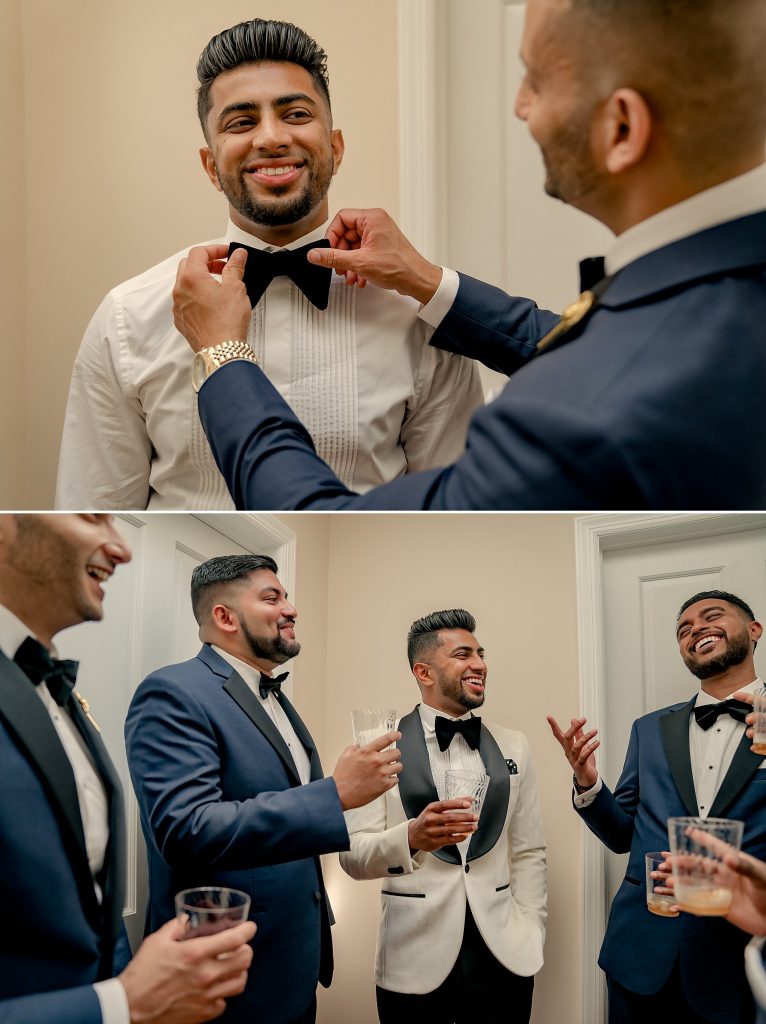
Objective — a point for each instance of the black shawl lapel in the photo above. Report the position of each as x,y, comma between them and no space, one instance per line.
112,878
743,767
30,723
416,783
492,817
240,692
674,728
303,735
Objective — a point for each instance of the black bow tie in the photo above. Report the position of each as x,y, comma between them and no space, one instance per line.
59,676
592,270
469,728
267,684
708,713
262,267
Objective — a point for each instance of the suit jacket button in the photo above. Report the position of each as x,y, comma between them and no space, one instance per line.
396,871
467,868
317,895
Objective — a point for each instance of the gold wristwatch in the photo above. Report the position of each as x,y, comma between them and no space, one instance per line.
207,360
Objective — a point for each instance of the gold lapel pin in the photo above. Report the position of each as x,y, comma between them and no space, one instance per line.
86,711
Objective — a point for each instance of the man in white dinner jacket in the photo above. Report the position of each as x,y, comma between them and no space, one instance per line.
463,902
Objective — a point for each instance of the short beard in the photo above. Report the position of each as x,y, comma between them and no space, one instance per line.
275,214
737,649
277,649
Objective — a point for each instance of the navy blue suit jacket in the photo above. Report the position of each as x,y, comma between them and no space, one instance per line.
221,804
639,948
666,376
55,939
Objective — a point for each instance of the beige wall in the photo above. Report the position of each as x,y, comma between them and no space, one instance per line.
378,573
113,180
12,436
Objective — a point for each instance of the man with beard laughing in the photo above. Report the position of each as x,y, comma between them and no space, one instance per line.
687,759
463,923
230,785
355,366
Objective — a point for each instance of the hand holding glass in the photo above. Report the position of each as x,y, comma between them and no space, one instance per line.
702,884
659,896
211,909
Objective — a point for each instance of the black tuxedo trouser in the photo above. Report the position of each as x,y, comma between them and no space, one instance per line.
669,1004
478,988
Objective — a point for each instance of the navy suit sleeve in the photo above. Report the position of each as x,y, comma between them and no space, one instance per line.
611,816
487,324
69,1006
176,765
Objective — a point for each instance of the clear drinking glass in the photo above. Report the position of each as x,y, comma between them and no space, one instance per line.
211,909
701,882
472,785
369,725
659,896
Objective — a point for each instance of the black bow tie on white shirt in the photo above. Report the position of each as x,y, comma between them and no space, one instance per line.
34,659
267,684
469,728
262,267
708,713
592,270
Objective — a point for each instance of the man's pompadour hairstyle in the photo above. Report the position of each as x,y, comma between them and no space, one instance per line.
424,633
252,42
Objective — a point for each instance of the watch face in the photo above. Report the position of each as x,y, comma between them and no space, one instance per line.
199,371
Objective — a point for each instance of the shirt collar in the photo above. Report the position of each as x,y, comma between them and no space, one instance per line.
737,197
235,234
13,633
705,698
249,673
428,717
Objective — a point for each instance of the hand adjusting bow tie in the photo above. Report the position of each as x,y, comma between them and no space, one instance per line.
59,676
267,683
708,713
262,267
469,728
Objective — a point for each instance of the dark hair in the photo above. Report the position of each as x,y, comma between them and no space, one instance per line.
211,576
424,633
718,595
251,42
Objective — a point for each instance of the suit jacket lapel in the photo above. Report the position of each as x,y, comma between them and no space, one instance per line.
492,818
674,728
238,689
416,783
303,735
743,767
112,879
31,724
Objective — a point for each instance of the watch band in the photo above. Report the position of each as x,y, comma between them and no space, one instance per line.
208,360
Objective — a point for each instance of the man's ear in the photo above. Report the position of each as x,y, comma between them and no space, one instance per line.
338,148
224,618
624,130
208,162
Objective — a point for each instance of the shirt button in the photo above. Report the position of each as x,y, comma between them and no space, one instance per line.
467,868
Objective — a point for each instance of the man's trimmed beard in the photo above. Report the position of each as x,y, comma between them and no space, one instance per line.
274,648
272,213
737,649
455,692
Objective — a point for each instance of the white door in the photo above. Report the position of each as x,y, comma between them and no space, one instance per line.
148,623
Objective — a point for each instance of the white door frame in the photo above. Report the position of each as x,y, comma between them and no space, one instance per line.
594,536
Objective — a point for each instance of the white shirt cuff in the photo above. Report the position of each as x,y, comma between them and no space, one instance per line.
754,970
114,1002
586,799
435,311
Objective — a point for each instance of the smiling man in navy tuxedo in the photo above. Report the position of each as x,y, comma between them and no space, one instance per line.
687,759
230,785
463,923
62,833
662,139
